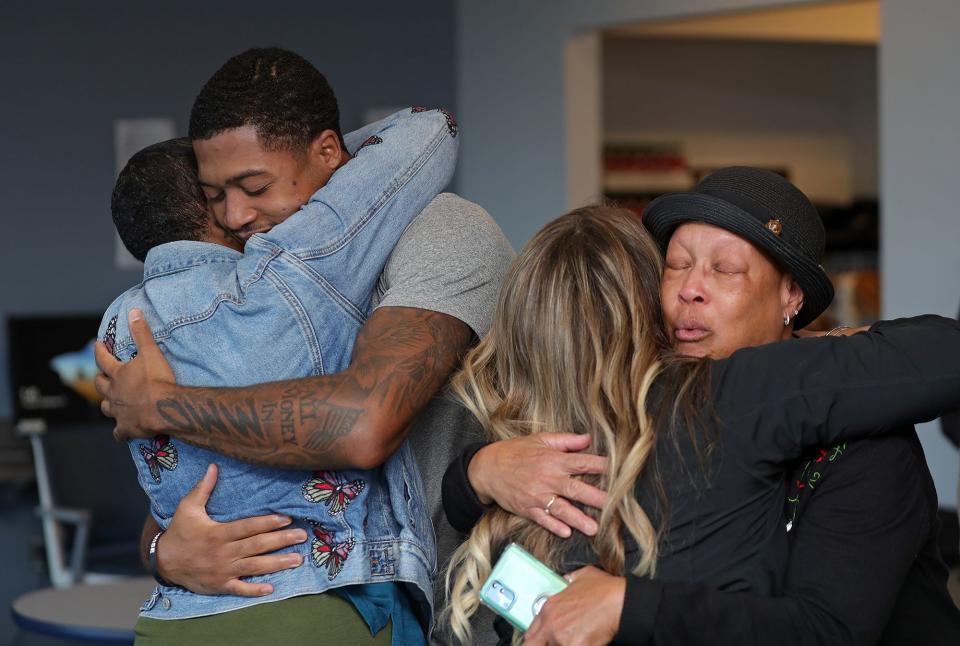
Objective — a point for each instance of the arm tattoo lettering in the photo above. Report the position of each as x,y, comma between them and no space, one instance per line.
268,408
401,358
287,427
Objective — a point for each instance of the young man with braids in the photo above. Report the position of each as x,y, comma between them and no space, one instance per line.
265,130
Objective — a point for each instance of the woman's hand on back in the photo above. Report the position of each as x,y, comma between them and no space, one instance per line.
524,474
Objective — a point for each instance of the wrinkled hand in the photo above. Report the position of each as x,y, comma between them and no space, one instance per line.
208,557
587,612
131,390
523,474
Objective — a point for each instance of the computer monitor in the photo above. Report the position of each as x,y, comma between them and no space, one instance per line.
52,368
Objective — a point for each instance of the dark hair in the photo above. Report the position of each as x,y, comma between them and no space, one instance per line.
158,199
277,92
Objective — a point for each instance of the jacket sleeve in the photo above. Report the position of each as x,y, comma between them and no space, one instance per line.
460,502
395,172
951,426
785,398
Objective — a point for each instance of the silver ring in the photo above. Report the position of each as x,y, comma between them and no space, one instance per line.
553,499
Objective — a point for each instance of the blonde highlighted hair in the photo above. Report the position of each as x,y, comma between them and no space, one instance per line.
576,342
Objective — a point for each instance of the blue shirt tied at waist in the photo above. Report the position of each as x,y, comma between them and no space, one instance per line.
291,306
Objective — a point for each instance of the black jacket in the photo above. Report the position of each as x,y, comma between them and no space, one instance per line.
868,530
951,426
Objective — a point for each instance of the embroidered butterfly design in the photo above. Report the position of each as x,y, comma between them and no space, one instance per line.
161,454
327,487
110,336
451,122
372,140
327,553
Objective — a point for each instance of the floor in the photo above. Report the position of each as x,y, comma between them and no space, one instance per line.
23,570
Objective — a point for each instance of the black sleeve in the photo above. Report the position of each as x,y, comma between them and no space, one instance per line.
951,427
851,551
803,393
460,502
678,614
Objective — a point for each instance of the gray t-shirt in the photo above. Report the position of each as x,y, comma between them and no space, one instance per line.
451,259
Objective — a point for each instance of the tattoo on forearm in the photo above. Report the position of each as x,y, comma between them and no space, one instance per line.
244,420
336,425
401,358
287,428
268,408
211,416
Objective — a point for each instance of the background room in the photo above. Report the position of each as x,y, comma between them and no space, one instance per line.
559,103
84,85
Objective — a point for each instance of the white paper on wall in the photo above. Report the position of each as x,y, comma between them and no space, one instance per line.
130,136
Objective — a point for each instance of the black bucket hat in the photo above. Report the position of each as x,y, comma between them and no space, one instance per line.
763,208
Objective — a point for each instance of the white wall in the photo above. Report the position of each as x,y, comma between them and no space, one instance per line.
811,108
920,140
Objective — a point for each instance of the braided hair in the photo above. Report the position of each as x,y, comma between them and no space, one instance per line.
285,98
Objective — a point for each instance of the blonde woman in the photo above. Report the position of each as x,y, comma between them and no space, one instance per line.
695,448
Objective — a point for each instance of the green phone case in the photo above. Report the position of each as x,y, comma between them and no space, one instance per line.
519,585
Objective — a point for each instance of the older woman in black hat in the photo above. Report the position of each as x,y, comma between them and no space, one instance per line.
742,261
742,269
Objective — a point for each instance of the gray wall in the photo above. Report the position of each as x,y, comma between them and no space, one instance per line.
920,143
69,69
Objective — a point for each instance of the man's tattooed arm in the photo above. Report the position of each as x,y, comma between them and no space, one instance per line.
356,418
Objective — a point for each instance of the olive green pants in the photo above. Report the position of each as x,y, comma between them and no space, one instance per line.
311,619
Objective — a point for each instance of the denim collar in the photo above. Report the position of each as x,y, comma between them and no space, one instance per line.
183,254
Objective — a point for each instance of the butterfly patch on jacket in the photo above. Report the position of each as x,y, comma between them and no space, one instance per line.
372,140
160,455
451,120
326,552
110,336
328,488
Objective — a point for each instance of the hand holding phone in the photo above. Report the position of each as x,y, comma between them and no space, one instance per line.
519,585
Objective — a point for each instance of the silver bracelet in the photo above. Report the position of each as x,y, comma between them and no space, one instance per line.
152,560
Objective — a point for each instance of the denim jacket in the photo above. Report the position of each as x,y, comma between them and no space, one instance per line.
291,306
